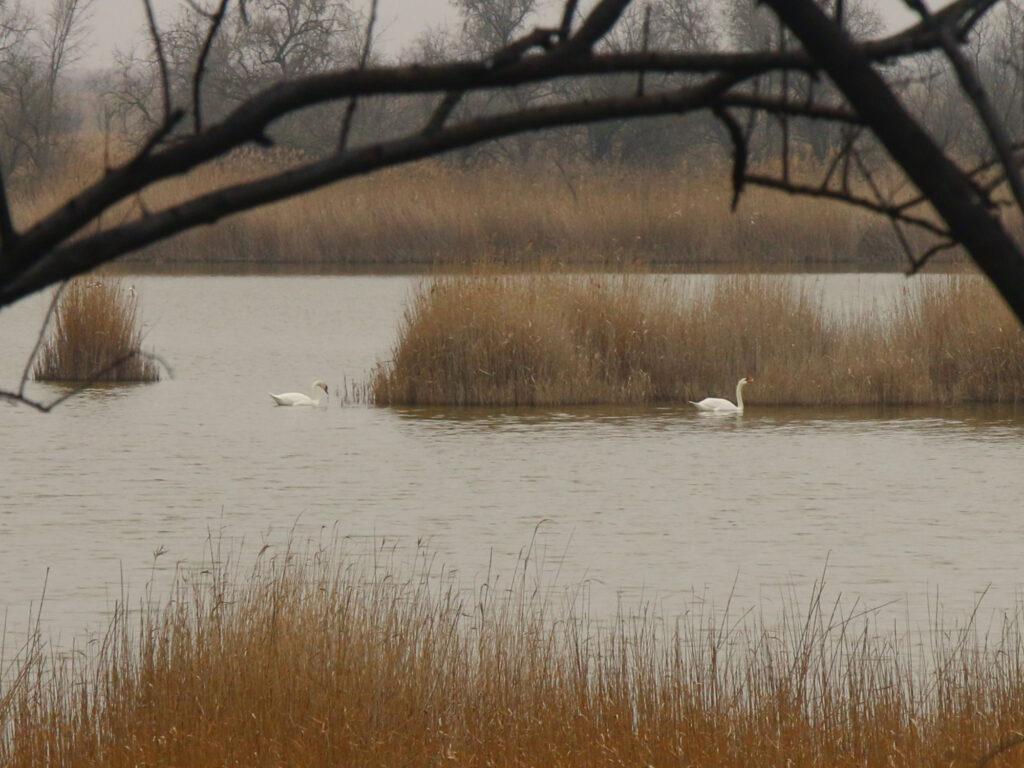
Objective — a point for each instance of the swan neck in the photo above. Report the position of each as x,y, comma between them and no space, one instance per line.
739,395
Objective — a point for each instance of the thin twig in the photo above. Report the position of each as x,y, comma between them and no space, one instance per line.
740,152
645,42
155,138
784,118
849,139
974,91
8,235
858,201
16,397
197,77
893,218
567,180
353,103
41,337
161,60
975,171
918,263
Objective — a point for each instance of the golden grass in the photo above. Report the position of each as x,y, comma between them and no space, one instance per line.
95,336
318,661
557,339
432,212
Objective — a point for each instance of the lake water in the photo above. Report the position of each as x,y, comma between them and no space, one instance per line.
658,504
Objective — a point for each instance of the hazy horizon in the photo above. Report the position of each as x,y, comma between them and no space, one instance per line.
120,24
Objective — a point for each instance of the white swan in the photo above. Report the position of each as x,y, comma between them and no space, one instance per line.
297,398
720,404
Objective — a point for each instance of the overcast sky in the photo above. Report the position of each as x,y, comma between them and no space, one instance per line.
117,23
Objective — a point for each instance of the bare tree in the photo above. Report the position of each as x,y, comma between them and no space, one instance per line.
271,41
945,202
490,25
34,57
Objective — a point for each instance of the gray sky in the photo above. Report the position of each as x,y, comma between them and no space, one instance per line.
117,23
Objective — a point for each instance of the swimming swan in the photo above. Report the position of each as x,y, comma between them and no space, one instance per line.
297,398
720,404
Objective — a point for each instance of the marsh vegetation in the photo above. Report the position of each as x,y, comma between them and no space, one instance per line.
317,659
95,336
547,338
438,213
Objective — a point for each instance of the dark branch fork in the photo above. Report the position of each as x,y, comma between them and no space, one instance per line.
966,213
216,19
248,123
364,58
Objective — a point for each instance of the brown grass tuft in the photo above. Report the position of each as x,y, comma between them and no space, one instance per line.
321,662
551,339
95,336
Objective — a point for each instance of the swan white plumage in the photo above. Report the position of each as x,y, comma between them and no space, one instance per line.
297,398
720,404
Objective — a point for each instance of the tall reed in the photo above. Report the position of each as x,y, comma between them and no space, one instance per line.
432,212
95,336
321,661
556,339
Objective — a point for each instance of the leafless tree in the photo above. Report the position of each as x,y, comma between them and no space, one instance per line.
947,202
490,25
34,57
257,44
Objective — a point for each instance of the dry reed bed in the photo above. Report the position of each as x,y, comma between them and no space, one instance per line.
555,339
433,212
318,661
95,336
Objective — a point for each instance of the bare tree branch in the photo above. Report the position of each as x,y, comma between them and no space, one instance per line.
353,103
18,397
917,263
646,39
8,235
216,19
54,248
43,328
249,121
568,14
740,152
858,201
951,193
595,26
161,59
972,87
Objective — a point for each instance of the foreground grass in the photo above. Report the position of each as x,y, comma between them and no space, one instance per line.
433,212
550,339
95,336
318,661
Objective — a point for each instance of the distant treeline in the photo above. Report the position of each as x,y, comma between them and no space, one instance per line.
283,39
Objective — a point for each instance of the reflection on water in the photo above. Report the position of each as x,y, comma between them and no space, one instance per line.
655,502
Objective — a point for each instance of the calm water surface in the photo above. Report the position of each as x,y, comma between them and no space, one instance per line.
652,504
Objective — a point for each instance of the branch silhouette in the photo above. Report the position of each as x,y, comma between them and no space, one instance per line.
722,83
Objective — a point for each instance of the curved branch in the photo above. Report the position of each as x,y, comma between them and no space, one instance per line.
91,251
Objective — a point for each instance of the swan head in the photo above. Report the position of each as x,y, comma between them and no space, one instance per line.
745,380
318,384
